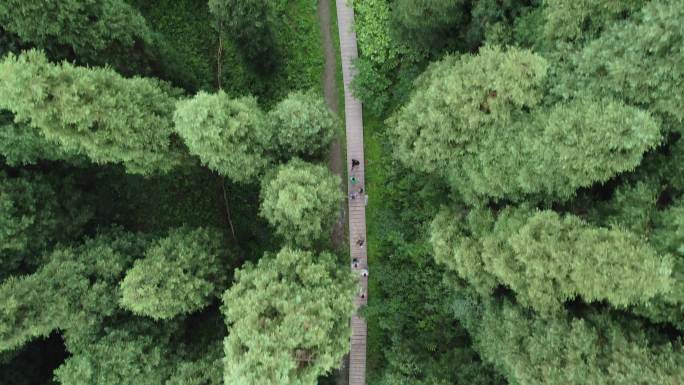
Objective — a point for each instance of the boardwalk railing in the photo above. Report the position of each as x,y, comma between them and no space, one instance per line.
357,209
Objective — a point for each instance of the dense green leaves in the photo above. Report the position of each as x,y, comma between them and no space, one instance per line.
121,356
547,259
228,135
460,99
426,22
76,289
249,23
33,217
95,112
641,60
596,350
301,201
90,28
555,152
469,121
22,144
288,318
179,274
575,20
302,124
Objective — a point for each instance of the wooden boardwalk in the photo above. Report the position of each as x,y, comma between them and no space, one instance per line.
357,209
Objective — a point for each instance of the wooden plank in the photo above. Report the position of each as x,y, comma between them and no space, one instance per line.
357,209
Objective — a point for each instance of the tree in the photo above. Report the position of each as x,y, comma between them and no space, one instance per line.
302,124
301,201
579,20
595,349
476,120
34,217
249,22
547,259
125,354
97,31
95,111
288,318
179,274
75,290
22,144
640,61
206,370
667,236
425,23
461,98
557,151
230,136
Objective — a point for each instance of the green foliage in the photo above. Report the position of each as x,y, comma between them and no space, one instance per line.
96,30
631,207
592,350
413,337
207,370
302,124
468,120
301,201
547,259
189,195
21,144
556,152
667,236
179,274
249,22
427,23
95,112
412,308
461,98
185,39
576,20
381,54
34,216
230,136
119,357
564,167
288,318
641,60
76,289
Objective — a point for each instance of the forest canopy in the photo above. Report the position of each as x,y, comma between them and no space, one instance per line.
172,205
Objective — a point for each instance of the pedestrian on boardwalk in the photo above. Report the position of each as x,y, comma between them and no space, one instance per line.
353,180
361,190
355,263
360,242
355,163
352,196
364,273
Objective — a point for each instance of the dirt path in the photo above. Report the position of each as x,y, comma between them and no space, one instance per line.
331,96
336,164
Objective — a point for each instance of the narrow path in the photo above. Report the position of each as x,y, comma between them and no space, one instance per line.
335,164
331,97
357,208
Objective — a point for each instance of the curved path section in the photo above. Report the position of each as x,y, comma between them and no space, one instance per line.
357,209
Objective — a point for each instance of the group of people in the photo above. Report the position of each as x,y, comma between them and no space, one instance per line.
354,181
352,196
362,272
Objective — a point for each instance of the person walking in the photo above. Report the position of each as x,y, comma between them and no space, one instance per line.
352,196
355,163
